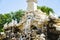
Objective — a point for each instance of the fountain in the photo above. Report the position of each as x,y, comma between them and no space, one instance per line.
32,16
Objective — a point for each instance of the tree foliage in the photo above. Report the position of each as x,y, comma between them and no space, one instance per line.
7,17
59,16
45,9
17,15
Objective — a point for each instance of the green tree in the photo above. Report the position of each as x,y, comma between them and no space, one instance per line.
45,9
17,15
59,16
6,18
1,22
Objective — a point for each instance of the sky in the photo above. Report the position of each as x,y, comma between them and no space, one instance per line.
14,5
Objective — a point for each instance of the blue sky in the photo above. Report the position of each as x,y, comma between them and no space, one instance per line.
13,5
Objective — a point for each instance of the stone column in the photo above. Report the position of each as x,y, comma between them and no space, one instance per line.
31,5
